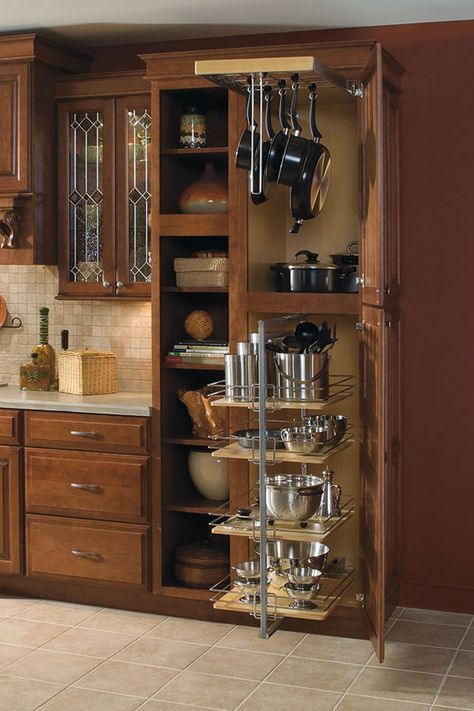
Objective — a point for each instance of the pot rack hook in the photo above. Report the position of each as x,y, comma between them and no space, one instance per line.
16,322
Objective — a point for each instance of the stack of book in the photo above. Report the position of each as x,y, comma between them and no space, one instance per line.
198,352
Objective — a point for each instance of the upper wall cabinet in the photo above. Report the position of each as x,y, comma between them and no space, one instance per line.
104,129
29,67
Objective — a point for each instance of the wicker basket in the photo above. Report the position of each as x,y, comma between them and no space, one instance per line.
202,271
87,372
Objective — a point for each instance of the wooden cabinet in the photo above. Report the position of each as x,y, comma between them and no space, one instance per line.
29,67
9,427
10,521
104,198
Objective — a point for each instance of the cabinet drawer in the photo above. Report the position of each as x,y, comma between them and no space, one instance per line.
9,426
102,433
86,484
108,553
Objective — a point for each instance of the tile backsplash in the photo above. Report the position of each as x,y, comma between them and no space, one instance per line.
119,326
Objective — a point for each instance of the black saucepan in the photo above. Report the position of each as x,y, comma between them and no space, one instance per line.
280,139
309,192
267,187
243,156
296,146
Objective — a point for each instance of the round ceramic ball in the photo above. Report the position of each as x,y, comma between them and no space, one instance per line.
199,325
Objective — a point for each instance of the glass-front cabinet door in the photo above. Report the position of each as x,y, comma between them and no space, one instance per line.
104,193
133,203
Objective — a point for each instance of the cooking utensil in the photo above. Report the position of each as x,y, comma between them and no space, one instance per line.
302,576
3,312
305,554
250,589
349,263
304,439
267,187
309,192
250,438
335,425
243,156
329,504
240,374
301,376
302,595
293,497
280,139
308,276
250,569
296,146
306,334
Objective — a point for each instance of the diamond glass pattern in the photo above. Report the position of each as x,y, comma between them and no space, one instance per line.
85,196
139,144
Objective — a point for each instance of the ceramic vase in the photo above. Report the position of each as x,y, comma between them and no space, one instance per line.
209,475
208,194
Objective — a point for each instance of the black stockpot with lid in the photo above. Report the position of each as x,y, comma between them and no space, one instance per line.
308,276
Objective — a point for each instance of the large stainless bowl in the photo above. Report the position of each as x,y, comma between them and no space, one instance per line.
306,554
304,439
293,497
335,425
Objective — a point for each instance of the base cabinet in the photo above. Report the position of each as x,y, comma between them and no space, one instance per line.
10,529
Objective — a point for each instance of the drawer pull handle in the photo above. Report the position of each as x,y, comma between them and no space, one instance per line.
78,433
85,487
86,554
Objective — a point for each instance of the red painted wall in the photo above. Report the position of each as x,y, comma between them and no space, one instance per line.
437,234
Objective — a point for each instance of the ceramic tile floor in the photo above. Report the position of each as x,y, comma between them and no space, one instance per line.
63,657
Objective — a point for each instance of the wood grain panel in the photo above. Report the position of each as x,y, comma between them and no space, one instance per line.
104,486
9,426
114,554
14,128
10,534
102,433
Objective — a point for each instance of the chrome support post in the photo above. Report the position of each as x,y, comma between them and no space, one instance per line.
262,456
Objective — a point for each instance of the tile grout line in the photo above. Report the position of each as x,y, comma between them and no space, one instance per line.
354,681
102,661
470,625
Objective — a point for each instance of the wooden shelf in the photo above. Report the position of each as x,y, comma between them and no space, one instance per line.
278,303
193,441
194,225
181,591
197,505
195,289
193,366
235,451
208,151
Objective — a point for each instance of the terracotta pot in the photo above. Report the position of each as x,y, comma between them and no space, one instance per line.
207,195
209,475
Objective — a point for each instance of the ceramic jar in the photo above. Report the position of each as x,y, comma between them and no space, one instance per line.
208,194
192,129
209,475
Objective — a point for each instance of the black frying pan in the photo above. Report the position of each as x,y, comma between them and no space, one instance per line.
296,146
309,193
267,187
243,156
280,139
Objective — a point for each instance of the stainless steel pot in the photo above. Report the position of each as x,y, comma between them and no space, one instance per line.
301,376
292,497
307,276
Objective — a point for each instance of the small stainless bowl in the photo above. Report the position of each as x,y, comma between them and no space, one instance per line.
302,576
250,570
302,595
336,426
304,439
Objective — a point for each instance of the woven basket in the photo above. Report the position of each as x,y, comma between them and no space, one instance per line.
87,372
202,271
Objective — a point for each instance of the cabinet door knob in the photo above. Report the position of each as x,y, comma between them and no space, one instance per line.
106,284
92,555
84,487
119,284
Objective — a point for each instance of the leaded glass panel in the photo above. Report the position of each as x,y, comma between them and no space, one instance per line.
139,198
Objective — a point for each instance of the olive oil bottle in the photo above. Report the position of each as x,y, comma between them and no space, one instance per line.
46,355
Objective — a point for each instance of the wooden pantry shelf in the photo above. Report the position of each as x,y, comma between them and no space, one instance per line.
235,451
289,303
197,505
194,442
208,151
176,225
196,289
194,366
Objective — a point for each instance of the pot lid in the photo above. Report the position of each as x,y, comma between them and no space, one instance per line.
305,265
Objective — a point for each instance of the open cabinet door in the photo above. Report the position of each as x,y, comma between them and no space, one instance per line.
372,462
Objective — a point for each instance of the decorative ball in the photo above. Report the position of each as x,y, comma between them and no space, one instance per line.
199,325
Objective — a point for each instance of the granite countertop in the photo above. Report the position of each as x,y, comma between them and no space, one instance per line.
125,402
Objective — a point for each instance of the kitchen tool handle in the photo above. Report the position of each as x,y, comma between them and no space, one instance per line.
312,257
64,339
282,106
84,487
78,433
309,490
351,245
248,109
317,135
302,382
90,555
338,496
268,112
294,105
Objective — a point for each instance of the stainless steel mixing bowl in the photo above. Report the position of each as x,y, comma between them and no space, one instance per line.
293,497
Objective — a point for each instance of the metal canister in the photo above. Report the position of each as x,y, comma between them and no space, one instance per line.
301,376
241,374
